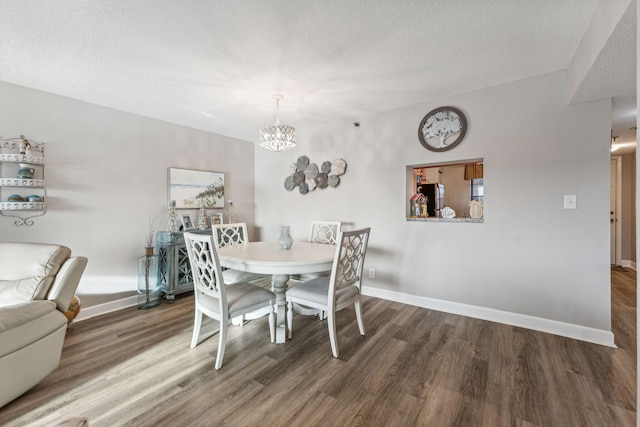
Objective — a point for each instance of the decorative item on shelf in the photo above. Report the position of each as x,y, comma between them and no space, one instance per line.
448,213
475,209
203,224
24,145
277,137
186,222
27,159
73,310
25,172
173,224
148,284
418,205
229,214
439,127
216,218
308,176
285,241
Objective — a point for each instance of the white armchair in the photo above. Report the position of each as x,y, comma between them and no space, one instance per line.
37,283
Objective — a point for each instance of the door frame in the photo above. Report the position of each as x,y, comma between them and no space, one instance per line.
616,172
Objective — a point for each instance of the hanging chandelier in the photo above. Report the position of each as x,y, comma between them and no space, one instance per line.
277,137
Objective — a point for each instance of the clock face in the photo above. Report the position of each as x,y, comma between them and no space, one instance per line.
442,129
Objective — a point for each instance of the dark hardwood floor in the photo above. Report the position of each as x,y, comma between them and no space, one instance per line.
414,367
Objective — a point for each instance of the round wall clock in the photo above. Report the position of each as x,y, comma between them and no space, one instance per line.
442,129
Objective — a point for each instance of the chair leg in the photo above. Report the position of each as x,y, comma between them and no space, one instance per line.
331,317
290,317
272,324
197,322
238,321
359,317
222,342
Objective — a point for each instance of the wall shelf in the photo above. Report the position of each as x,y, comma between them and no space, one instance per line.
16,155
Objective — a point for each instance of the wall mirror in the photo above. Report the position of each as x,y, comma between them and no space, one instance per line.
447,185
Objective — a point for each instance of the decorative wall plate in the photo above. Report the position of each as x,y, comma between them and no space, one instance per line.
442,129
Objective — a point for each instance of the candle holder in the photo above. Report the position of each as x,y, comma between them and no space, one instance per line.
173,219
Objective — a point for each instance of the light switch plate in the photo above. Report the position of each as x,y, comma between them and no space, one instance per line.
570,201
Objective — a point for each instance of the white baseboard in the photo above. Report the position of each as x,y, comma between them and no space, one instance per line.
583,333
107,307
628,264
569,330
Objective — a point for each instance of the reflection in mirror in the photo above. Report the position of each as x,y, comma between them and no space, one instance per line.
454,186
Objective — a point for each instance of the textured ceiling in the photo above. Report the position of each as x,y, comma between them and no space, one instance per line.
214,65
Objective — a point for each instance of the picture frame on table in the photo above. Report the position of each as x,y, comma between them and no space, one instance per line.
192,189
216,218
187,224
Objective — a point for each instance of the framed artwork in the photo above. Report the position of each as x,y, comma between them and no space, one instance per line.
186,222
216,218
191,189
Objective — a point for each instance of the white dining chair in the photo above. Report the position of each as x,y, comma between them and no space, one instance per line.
215,299
339,290
235,234
324,231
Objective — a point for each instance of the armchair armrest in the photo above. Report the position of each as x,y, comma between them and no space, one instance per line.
66,282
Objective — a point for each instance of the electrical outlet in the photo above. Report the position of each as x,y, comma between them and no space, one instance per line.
570,201
372,273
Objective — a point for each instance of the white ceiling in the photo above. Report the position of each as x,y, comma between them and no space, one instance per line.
214,65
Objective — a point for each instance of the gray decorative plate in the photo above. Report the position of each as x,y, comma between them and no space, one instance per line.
303,162
288,183
311,171
321,180
326,167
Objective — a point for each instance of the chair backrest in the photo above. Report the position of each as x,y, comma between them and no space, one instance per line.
28,270
349,261
205,269
324,231
230,234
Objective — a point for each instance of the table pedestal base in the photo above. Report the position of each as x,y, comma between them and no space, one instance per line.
279,282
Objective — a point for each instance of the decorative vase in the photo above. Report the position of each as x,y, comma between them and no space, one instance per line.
148,284
285,241
203,224
229,214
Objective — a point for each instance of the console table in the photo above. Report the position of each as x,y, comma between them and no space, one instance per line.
174,271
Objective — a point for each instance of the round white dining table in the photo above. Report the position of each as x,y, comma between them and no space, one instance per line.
268,258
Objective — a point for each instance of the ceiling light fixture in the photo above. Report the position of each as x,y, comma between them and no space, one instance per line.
277,137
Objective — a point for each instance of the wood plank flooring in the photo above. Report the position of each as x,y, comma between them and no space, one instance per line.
415,367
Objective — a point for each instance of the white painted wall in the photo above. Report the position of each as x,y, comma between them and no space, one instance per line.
106,175
530,263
